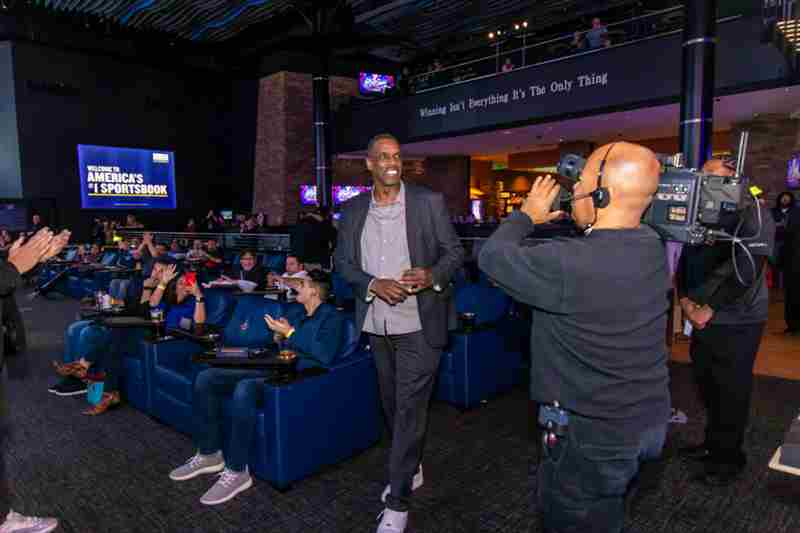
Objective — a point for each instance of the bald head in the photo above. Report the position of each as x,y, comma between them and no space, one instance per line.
631,174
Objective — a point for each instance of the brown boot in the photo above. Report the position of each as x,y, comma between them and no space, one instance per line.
109,401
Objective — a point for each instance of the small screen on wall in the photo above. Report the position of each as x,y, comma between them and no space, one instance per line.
371,83
793,173
126,178
341,193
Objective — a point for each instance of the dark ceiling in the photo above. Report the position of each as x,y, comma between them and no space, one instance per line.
394,30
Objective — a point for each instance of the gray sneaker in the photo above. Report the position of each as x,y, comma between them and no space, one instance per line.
229,484
198,464
17,523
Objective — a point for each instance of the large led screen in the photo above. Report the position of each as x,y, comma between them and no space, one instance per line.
126,178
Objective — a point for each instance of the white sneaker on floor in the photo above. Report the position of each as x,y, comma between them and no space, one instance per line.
392,521
17,523
199,464
416,483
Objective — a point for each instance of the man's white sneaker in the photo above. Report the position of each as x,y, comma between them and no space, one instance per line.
416,483
392,521
17,523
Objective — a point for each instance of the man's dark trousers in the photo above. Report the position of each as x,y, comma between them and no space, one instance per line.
407,367
586,475
722,360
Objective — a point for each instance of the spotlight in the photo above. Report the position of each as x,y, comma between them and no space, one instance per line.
525,24
491,35
516,27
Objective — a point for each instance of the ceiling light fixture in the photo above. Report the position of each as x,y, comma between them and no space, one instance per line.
491,35
516,27
525,24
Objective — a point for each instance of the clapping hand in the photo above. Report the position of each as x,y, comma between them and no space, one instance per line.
168,274
280,325
25,256
56,245
540,199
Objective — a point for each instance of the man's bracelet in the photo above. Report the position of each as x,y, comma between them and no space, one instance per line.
162,286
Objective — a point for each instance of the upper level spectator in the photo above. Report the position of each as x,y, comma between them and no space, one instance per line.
36,224
577,41
597,37
191,227
213,222
260,223
508,66
132,223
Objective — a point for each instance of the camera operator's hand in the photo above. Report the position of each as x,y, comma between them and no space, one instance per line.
698,315
389,290
540,199
25,256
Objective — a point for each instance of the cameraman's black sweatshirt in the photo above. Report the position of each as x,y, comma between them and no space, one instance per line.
599,318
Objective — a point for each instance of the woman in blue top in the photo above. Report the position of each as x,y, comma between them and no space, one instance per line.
315,332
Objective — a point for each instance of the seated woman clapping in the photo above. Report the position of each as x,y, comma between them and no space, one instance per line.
315,333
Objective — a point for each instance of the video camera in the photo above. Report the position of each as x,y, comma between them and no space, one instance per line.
689,205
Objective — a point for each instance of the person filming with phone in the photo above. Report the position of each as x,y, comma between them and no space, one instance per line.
598,348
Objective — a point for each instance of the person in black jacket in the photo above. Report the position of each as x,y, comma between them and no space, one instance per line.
21,259
727,305
791,272
781,213
598,345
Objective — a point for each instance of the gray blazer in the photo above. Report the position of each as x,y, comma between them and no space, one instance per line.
432,243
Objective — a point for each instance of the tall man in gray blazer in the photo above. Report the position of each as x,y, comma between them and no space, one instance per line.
398,250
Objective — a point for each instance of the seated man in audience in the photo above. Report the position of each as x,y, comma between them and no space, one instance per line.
213,254
315,333
125,258
248,270
176,250
94,255
294,269
150,252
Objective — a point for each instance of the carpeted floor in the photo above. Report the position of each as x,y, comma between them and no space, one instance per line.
109,474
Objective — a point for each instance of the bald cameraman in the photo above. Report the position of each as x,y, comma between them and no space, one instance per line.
728,316
597,344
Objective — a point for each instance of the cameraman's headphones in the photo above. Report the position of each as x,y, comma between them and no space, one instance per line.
600,196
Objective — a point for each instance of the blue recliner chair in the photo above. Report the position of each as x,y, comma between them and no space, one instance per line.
173,372
139,364
275,262
321,420
478,364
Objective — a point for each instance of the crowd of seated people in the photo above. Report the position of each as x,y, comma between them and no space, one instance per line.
93,346
315,331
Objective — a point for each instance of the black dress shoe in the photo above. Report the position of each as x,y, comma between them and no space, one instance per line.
698,452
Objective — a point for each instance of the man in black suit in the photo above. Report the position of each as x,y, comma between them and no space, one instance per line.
398,250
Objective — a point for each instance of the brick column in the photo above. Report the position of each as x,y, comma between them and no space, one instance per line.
773,141
284,157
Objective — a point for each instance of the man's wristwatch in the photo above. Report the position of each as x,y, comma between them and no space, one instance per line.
199,299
